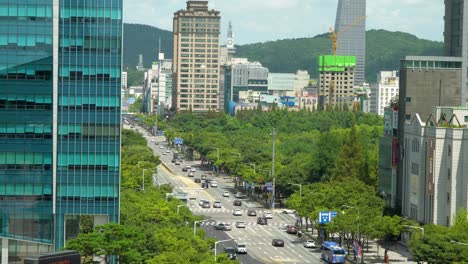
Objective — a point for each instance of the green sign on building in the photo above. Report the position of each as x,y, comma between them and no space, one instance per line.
331,63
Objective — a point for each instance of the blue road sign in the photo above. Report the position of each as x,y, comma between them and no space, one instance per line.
178,141
326,217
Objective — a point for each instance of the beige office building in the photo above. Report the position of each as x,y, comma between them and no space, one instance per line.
196,58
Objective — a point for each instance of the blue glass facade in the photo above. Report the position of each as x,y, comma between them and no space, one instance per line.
59,133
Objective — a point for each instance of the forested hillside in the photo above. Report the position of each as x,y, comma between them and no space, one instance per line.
384,50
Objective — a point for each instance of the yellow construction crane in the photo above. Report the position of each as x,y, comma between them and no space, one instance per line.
334,35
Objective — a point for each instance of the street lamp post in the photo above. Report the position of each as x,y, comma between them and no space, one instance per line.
178,207
460,243
143,176
273,135
300,188
195,226
217,157
254,166
269,172
216,244
416,227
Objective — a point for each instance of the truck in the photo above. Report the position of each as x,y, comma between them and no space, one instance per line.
175,156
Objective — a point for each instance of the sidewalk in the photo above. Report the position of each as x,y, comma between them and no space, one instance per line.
375,254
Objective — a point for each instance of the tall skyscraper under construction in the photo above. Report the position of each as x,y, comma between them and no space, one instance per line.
351,26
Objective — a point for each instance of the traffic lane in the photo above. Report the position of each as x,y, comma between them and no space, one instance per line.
260,238
221,235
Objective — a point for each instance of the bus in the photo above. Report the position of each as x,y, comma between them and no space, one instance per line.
62,257
333,253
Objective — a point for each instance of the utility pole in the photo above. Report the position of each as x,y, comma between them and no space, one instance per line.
273,135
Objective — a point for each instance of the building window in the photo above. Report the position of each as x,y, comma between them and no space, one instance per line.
408,99
449,151
449,174
414,168
407,117
466,119
448,197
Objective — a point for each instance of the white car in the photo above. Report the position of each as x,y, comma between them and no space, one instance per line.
237,212
241,248
289,211
152,140
213,184
225,194
267,215
240,195
193,170
201,202
240,224
161,147
309,244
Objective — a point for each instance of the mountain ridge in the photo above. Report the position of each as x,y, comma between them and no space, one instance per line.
384,49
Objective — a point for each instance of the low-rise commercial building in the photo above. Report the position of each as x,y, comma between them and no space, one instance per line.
435,168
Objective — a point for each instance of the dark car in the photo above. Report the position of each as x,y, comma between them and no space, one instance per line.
237,203
251,212
197,180
206,205
203,177
277,242
262,221
230,252
174,160
205,185
290,229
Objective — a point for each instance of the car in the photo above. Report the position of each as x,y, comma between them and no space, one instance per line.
309,244
237,203
173,160
237,212
290,229
161,147
186,168
205,185
277,242
289,211
217,204
197,180
193,170
191,174
213,184
201,202
240,224
223,226
268,215
241,248
156,143
177,162
251,212
164,153
206,204
230,252
225,194
240,195
262,221
152,140
168,151
203,177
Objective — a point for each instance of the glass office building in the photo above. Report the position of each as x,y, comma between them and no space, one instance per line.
60,66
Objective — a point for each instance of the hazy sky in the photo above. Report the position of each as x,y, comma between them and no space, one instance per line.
263,20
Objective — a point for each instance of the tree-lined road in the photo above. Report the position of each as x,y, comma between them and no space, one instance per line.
257,238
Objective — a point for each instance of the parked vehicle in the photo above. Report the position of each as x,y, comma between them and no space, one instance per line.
290,229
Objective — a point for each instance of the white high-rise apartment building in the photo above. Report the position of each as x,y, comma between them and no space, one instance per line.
382,92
